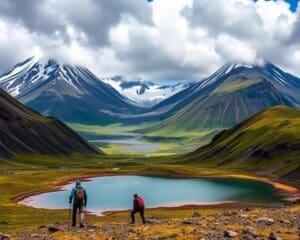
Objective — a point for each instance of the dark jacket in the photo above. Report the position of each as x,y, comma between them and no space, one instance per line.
73,195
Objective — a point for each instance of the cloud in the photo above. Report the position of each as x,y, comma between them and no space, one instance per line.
93,18
164,40
15,44
217,17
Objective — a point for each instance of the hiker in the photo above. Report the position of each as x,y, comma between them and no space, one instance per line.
79,197
138,206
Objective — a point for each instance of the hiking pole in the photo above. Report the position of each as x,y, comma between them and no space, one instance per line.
84,213
69,217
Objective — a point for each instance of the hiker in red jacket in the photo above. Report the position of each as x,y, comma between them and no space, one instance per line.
138,206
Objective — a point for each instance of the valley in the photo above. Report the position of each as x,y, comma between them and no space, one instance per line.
149,120
118,139
239,124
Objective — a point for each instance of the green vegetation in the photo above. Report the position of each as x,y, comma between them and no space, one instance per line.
167,141
230,103
268,142
35,173
25,131
237,84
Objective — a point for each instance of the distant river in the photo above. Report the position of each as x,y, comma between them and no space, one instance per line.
115,193
128,143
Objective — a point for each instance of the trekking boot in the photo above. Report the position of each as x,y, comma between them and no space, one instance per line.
81,225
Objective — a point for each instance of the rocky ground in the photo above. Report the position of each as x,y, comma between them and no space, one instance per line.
246,224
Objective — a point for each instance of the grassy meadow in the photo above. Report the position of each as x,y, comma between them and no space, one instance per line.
37,173
167,141
33,173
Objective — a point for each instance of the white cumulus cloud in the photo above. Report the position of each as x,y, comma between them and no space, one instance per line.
161,40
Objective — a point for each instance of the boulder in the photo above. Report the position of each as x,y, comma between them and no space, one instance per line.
265,220
4,236
35,236
53,229
189,222
196,214
273,236
251,231
230,233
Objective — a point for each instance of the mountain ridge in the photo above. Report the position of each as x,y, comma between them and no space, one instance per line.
26,132
267,142
202,97
74,94
45,87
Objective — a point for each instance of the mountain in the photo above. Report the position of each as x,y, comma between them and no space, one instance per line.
232,94
143,93
282,81
268,142
73,94
69,93
23,131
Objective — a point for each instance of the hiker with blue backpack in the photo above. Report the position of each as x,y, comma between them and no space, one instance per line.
138,207
79,197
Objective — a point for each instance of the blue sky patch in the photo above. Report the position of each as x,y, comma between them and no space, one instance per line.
293,3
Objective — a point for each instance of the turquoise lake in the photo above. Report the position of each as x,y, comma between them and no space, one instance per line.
115,193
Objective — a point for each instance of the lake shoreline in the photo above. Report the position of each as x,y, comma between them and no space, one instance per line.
291,192
219,205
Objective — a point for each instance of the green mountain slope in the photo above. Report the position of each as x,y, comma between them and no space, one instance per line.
23,131
232,102
268,142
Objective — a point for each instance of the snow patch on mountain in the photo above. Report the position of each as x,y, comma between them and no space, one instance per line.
144,93
35,73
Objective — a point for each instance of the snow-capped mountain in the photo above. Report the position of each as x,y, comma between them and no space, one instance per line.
144,93
232,94
74,94
284,82
70,93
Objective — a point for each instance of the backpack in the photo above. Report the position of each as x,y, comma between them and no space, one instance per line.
140,202
79,195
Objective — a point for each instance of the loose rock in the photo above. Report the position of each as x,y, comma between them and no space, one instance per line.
265,220
53,229
229,233
196,214
188,222
4,236
251,232
273,236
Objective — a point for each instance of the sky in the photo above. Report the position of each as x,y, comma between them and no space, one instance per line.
160,40
293,4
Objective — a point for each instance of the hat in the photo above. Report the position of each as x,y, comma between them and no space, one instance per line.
78,183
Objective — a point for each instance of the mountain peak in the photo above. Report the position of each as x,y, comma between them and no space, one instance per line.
43,84
236,65
143,93
34,72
